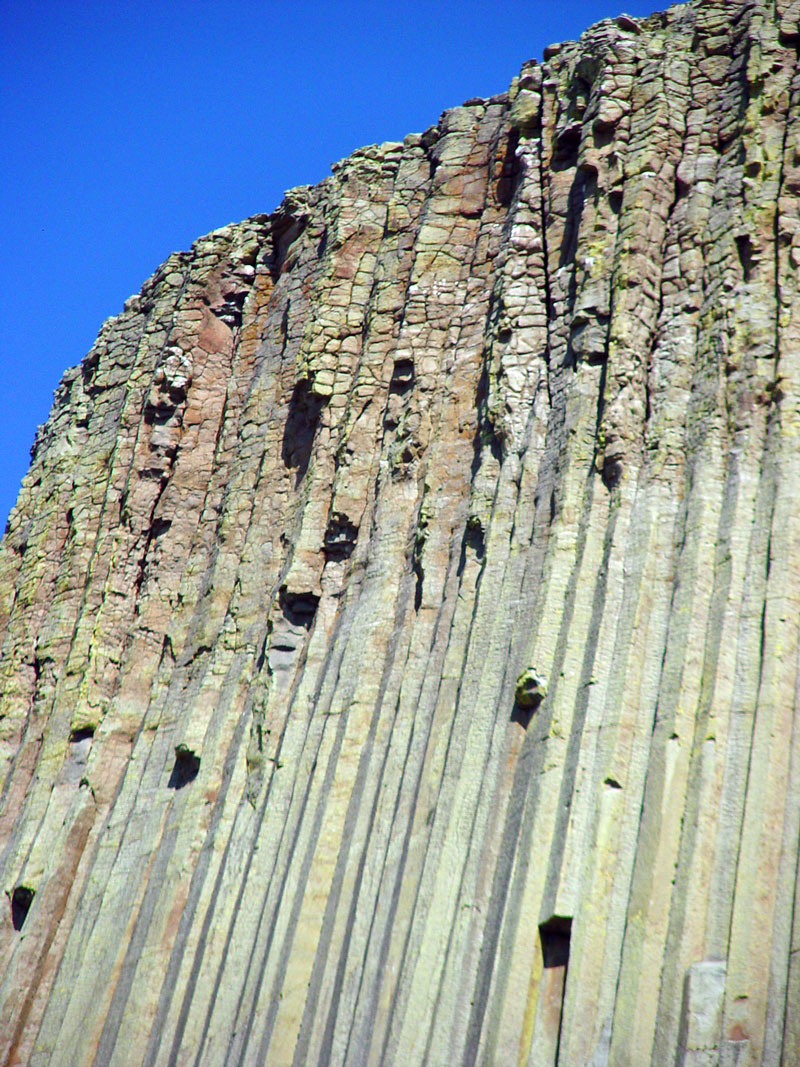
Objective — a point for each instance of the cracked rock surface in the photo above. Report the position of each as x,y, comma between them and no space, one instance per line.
523,389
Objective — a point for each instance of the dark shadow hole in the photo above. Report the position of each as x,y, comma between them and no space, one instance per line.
565,151
419,574
88,367
522,716
230,310
301,425
187,764
402,376
473,542
158,414
153,474
485,434
744,246
84,733
21,900
596,359
569,240
682,188
555,935
340,537
299,608
286,228
159,527
602,134
509,170
612,472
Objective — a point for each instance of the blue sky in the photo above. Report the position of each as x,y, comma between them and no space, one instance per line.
128,129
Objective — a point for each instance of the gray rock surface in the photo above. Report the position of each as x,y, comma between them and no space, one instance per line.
522,390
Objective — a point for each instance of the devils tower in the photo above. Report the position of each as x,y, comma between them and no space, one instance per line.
400,619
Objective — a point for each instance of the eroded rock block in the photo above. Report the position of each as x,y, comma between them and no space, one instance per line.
530,689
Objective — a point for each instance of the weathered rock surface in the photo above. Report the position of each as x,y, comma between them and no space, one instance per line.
521,393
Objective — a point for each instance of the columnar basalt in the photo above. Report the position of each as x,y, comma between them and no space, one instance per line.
400,618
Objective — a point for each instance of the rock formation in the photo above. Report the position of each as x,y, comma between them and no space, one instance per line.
400,618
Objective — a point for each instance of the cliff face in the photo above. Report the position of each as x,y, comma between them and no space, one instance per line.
400,618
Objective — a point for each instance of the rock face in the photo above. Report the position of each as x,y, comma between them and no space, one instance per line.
516,398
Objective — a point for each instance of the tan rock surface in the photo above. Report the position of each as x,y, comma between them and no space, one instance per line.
516,397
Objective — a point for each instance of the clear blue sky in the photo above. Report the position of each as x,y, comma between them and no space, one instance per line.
128,129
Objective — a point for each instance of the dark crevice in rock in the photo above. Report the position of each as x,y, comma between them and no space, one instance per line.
158,527
21,900
565,147
287,225
89,366
472,544
744,249
589,336
81,733
402,376
159,413
581,188
231,307
612,471
340,537
305,408
486,435
191,655
509,170
598,422
154,528
419,576
602,134
299,608
522,716
185,768
80,746
555,936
